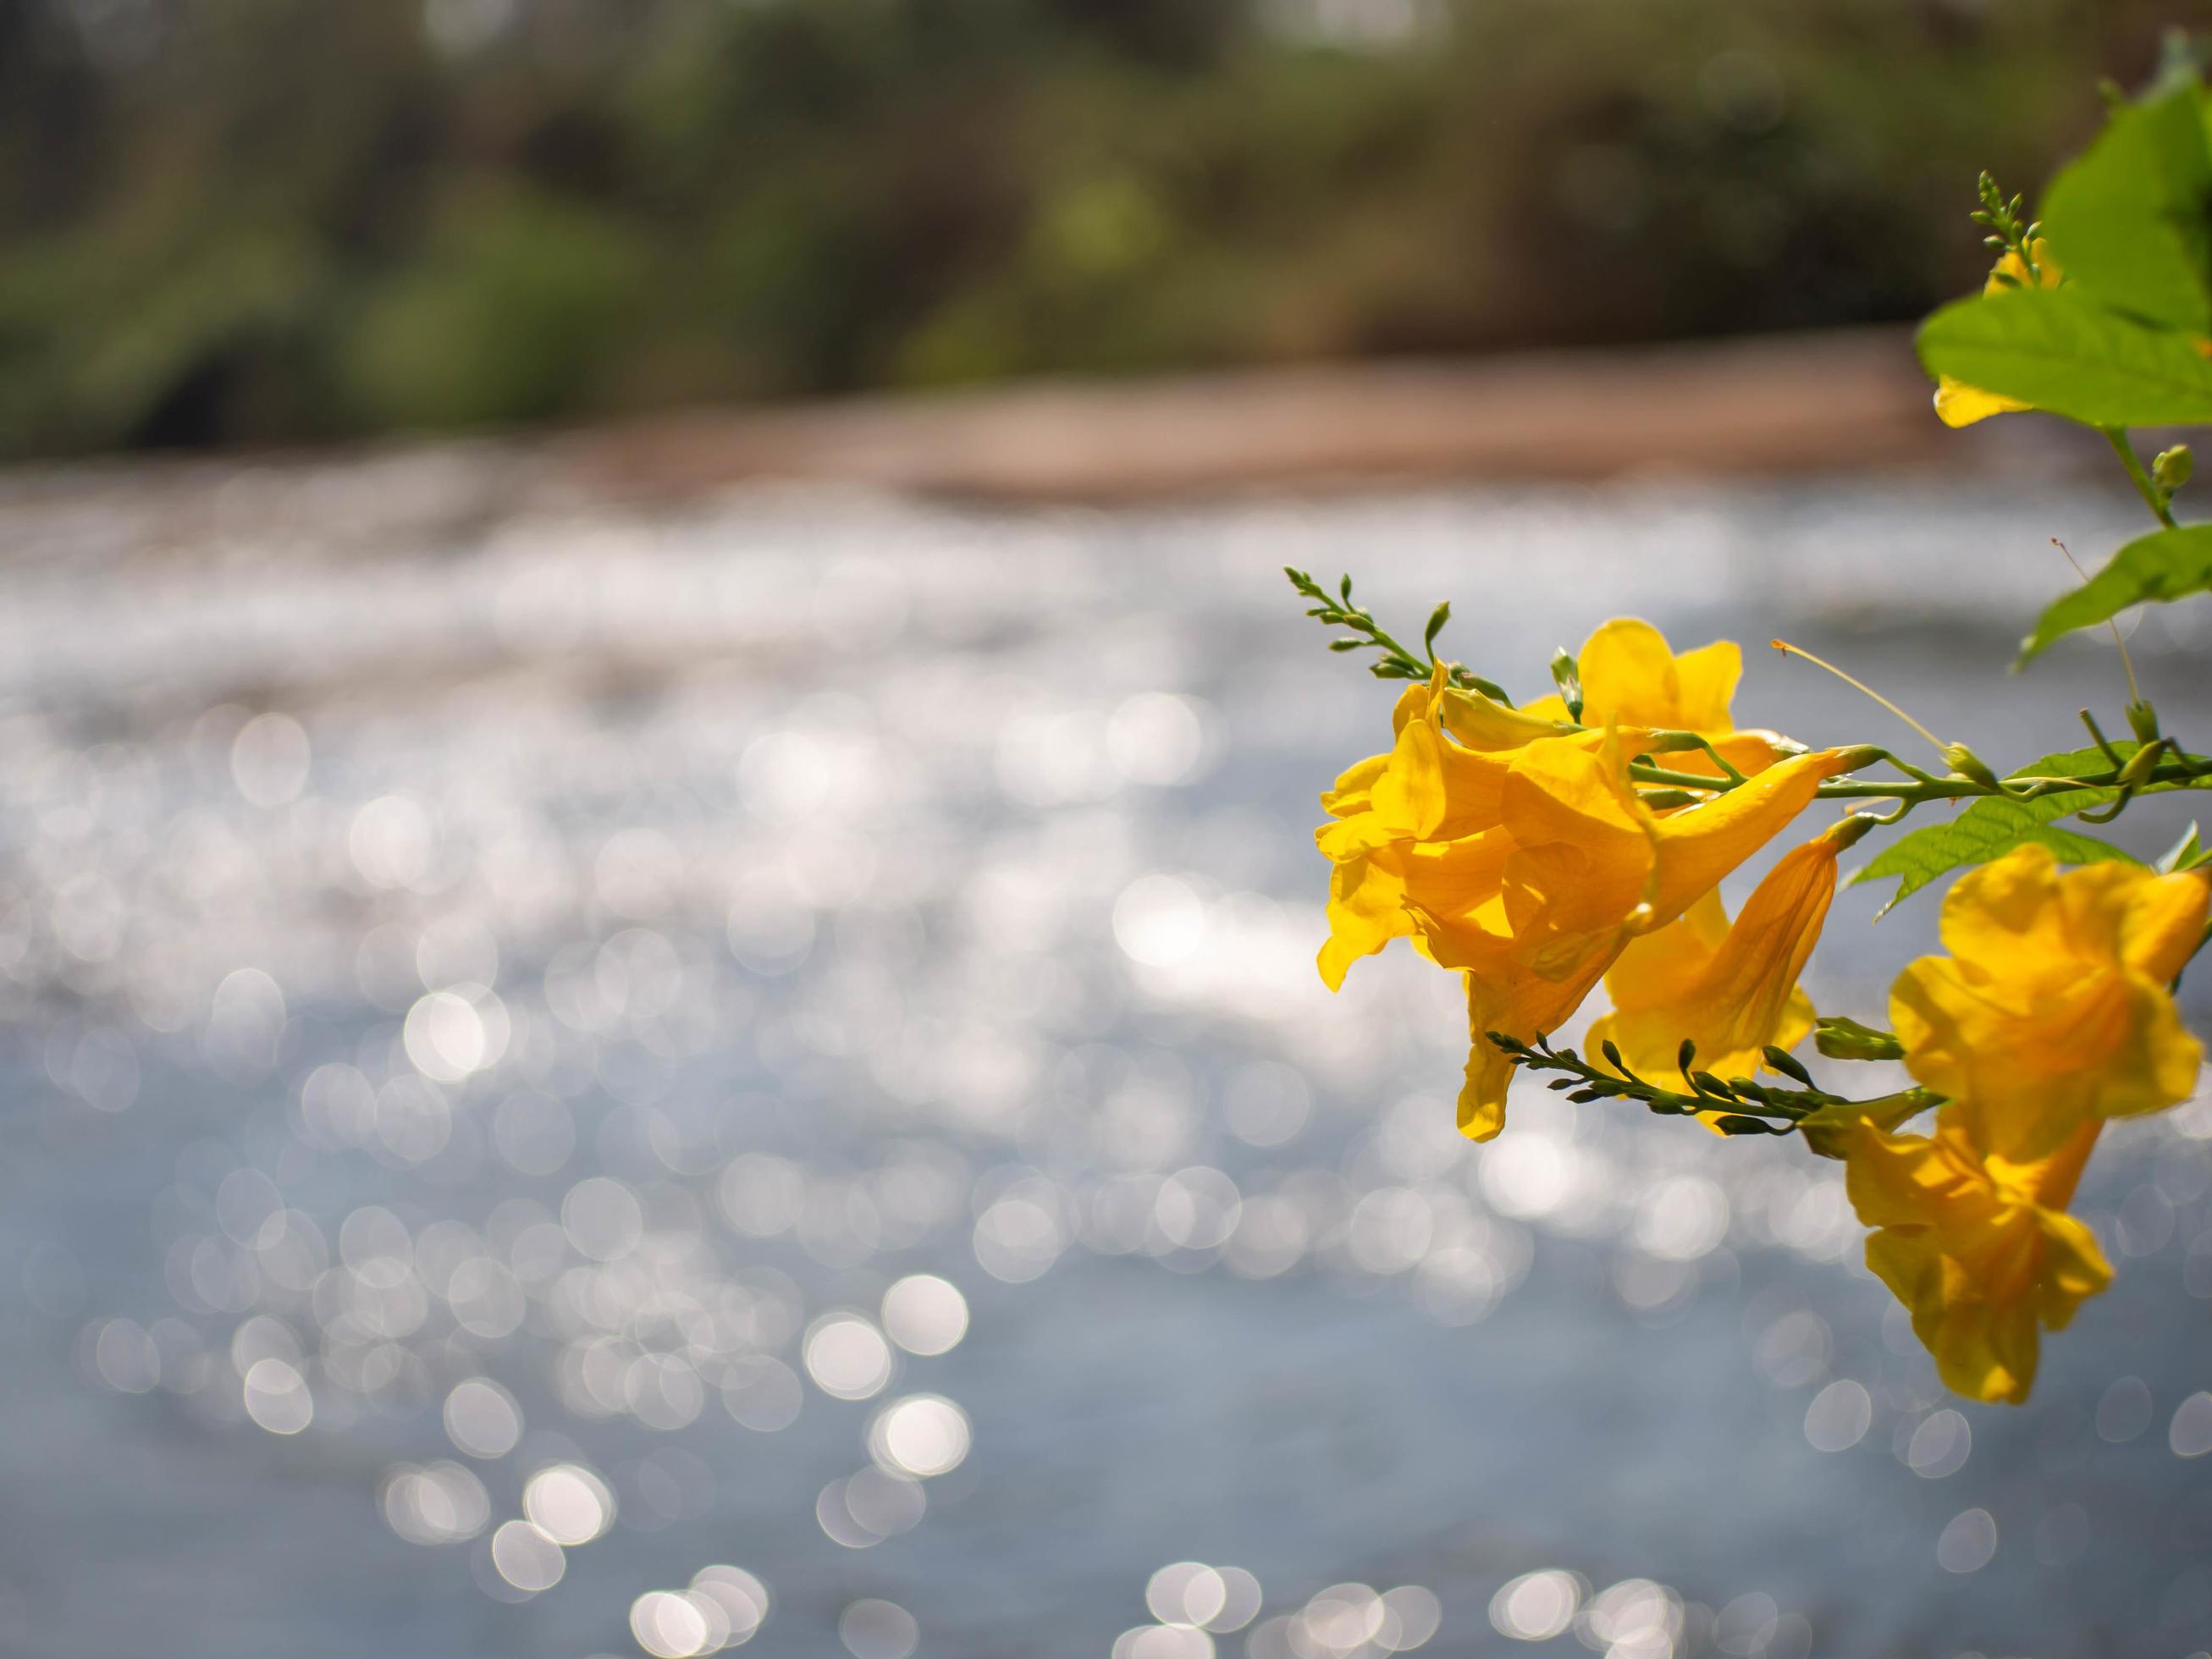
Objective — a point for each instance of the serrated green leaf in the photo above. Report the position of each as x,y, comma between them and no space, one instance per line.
2057,350
2128,220
2166,564
1991,827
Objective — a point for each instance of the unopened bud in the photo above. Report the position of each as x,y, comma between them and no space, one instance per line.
1829,1130
1782,1060
2142,720
1840,1038
1849,830
2141,764
2172,467
1967,764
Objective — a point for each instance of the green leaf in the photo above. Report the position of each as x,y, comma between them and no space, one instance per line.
1992,826
2128,221
2057,350
2166,564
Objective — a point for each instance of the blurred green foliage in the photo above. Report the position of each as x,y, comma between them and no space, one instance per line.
243,220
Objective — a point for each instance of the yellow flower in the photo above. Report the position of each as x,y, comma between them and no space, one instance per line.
1427,793
1980,1250
1632,679
1414,827
2052,1008
1733,991
1588,869
1401,844
1509,843
1958,404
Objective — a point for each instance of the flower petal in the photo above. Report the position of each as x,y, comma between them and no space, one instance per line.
1960,404
1697,847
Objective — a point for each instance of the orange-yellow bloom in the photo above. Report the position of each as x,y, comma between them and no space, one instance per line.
2052,1008
1731,990
1632,679
1958,404
1980,1250
1398,819
1509,844
1589,868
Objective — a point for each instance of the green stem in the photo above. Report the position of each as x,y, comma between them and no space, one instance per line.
1645,772
1422,664
2154,497
1741,1097
1395,662
2187,768
1674,742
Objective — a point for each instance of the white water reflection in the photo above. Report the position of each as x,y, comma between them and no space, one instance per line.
557,1045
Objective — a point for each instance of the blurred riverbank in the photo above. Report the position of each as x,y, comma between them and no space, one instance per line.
224,226
1824,403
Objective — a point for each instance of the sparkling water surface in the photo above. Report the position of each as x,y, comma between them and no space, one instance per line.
586,1079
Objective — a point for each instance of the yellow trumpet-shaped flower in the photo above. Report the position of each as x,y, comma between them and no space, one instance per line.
1980,1250
1588,869
1733,991
2052,1008
1411,825
1632,678
1958,404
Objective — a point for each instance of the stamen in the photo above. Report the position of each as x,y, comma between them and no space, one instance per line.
1788,650
2135,694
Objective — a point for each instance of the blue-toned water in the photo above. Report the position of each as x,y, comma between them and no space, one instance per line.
519,1008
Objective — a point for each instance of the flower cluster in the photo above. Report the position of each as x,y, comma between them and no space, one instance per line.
2050,1015
1513,846
1539,850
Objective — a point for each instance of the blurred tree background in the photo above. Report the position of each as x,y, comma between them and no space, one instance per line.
254,221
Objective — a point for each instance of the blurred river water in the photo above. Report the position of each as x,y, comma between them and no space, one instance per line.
599,1080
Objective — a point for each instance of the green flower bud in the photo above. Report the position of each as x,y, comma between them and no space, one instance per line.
2141,764
2172,467
1841,1038
1850,829
1828,1130
1782,1060
1967,764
